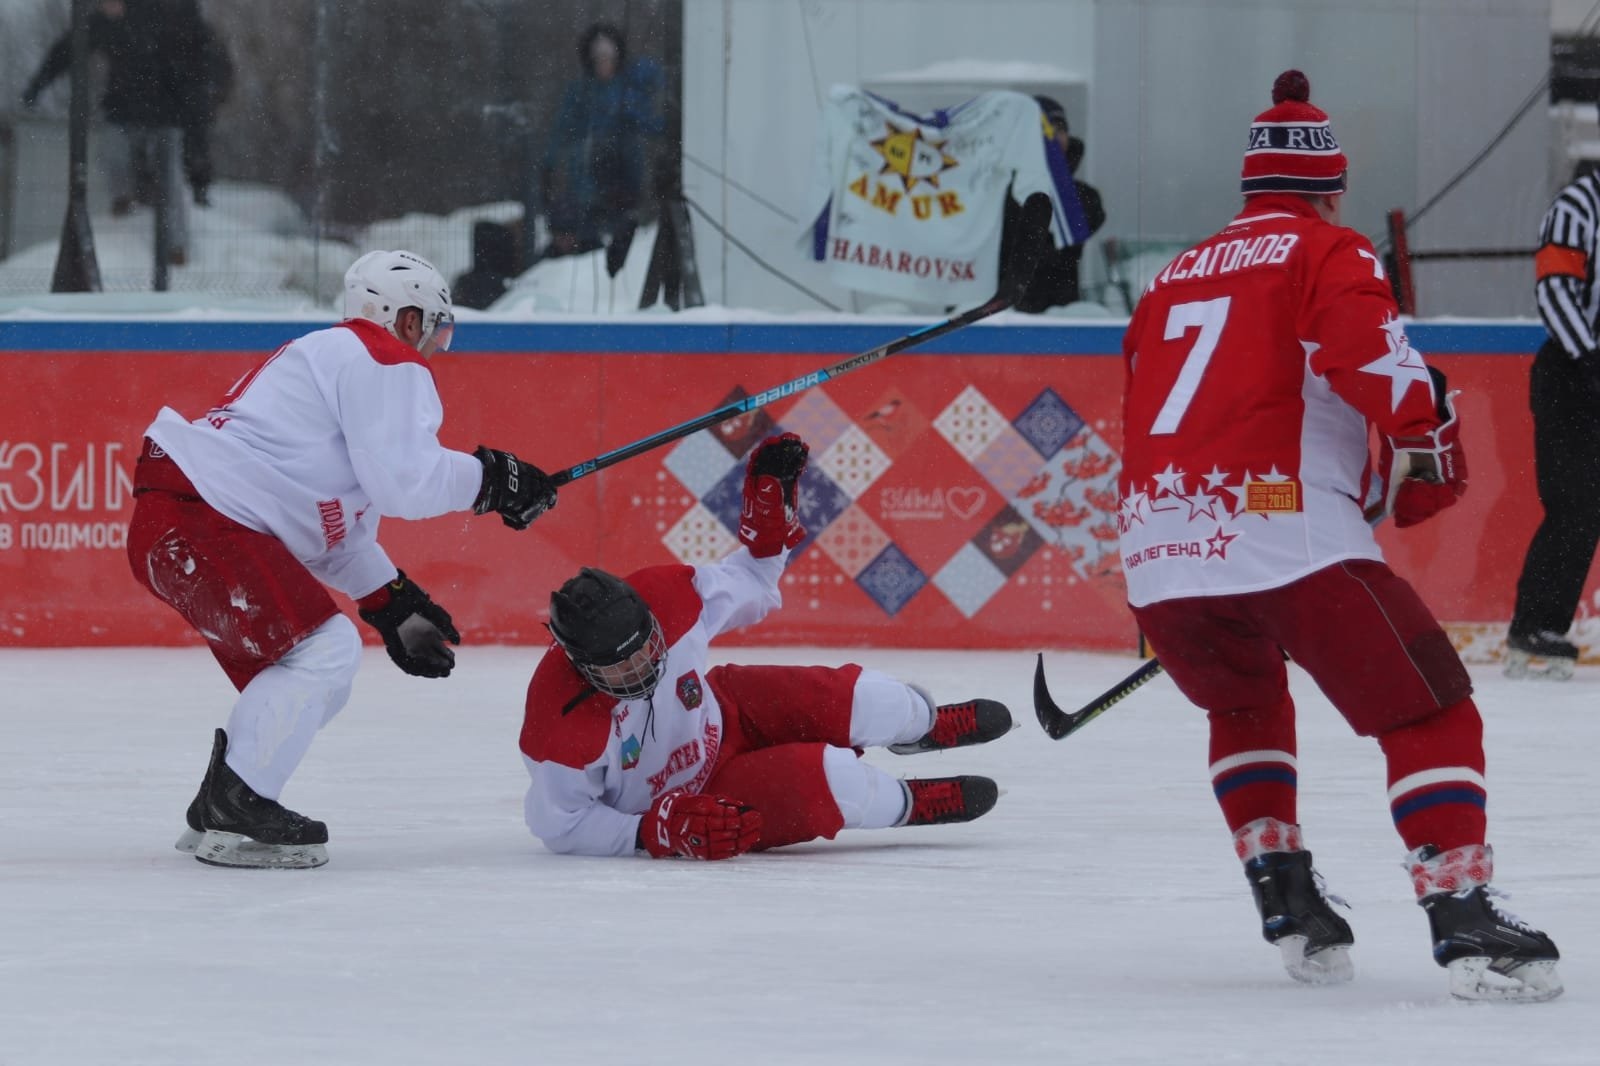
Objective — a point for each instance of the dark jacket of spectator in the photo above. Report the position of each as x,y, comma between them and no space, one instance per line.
596,156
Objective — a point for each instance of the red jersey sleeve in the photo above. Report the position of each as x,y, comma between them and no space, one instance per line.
1360,344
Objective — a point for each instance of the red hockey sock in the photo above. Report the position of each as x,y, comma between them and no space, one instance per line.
1253,770
1436,786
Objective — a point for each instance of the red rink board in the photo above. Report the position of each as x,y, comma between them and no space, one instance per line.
962,498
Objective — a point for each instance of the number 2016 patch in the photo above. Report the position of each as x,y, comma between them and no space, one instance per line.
689,692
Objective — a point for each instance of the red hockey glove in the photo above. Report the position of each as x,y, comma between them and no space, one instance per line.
1424,475
770,520
698,827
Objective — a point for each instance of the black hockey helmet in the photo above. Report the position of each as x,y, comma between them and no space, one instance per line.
608,633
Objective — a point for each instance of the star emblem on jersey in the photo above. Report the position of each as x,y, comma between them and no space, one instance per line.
910,157
1401,364
1217,544
689,691
1169,482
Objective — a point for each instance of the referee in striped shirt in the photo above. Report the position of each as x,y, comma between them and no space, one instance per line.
1564,393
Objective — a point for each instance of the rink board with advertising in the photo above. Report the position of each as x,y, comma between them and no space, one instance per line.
959,495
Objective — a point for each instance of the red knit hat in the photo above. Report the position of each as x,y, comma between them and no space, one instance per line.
1291,147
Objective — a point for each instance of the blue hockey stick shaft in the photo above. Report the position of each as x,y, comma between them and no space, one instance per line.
998,303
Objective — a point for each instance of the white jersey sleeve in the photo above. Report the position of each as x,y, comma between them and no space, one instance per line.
739,590
391,417
565,809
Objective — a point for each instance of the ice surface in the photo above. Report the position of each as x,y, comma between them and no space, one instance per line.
1096,917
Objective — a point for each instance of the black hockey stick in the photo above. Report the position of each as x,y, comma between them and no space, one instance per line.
1032,239
1059,724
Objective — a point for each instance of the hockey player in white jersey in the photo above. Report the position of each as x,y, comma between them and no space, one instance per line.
242,516
634,746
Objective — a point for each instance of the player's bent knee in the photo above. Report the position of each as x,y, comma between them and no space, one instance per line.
331,653
1444,682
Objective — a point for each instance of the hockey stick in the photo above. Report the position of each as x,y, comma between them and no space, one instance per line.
1059,724
1027,250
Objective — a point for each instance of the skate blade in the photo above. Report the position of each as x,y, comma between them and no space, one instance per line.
1472,979
1330,966
237,850
1521,666
189,843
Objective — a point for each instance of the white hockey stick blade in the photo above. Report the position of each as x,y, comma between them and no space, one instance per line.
234,849
189,842
1532,982
1330,966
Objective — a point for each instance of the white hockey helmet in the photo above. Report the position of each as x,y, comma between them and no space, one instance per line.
379,285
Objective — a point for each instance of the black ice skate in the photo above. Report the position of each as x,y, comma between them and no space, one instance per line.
1540,654
1490,953
943,800
1297,916
241,828
956,725
189,842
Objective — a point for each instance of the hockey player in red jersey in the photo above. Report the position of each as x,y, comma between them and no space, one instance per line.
243,515
1256,363
634,745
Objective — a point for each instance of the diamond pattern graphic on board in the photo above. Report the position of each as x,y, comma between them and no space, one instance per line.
975,503
1048,423
743,432
969,580
699,461
853,540
1072,503
699,537
817,419
970,423
853,462
891,580
1007,541
893,422
1009,462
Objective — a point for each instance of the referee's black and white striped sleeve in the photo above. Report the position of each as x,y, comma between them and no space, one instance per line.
1566,294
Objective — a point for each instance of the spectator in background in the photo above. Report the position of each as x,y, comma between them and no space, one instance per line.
494,264
1055,282
158,87
196,42
1564,393
595,159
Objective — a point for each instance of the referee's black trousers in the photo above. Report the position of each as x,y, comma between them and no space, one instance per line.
1566,458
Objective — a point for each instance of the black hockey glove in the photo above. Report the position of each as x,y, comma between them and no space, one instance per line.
519,490
414,628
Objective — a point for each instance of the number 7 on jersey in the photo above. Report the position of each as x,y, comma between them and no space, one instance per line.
1208,316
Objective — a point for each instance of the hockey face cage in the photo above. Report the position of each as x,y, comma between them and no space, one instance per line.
632,677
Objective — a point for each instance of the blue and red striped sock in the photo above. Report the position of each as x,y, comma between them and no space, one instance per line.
1253,769
1437,791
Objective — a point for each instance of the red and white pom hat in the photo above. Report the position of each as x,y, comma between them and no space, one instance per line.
1291,148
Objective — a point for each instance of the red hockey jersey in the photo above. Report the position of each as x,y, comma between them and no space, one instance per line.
1255,363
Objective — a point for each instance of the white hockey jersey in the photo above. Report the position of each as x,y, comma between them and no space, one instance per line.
315,444
911,205
596,762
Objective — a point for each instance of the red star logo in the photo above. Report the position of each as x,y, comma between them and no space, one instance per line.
1217,543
